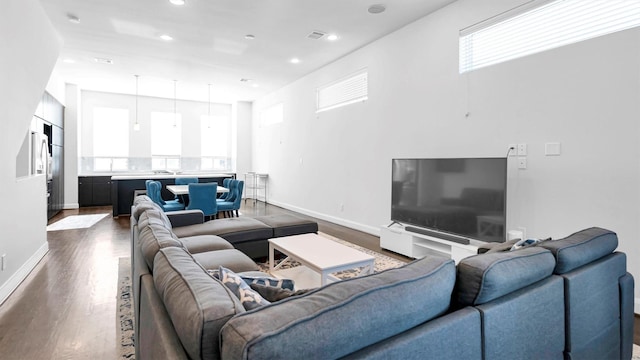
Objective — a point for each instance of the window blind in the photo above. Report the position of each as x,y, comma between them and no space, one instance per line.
551,24
345,91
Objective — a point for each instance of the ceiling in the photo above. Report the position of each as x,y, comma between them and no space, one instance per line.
209,44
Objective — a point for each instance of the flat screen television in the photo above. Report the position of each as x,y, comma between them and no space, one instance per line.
464,197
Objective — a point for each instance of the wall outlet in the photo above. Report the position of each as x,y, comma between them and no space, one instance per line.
514,234
522,163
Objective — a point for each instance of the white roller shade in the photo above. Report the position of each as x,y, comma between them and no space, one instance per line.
525,31
345,91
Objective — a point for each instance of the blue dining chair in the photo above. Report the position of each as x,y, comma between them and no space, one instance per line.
154,192
234,200
231,185
225,183
203,197
185,181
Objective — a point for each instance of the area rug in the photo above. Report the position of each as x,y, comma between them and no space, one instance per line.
381,262
124,309
76,222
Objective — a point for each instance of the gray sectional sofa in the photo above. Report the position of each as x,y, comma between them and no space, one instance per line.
563,299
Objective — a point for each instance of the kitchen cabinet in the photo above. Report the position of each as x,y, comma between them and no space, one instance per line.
94,190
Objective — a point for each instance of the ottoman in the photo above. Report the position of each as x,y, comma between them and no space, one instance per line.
287,225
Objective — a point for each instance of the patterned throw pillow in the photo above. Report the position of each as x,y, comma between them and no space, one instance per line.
248,297
260,280
270,281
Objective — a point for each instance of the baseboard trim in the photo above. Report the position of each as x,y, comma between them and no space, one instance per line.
636,306
350,224
71,206
18,277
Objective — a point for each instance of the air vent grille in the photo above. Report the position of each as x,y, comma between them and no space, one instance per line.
315,35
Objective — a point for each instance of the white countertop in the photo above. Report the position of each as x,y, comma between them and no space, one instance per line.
150,175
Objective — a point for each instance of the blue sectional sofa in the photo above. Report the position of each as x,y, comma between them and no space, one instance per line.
563,299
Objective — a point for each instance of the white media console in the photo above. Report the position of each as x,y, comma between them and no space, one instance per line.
415,245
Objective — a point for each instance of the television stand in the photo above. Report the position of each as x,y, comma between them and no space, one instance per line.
436,234
402,240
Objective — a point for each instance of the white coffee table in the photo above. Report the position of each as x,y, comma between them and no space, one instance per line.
319,256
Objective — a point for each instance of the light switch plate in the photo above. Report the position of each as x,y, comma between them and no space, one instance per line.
522,149
552,149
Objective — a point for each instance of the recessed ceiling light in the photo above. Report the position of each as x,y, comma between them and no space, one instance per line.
69,61
166,37
376,9
294,61
177,2
249,37
245,80
332,37
255,85
103,61
73,19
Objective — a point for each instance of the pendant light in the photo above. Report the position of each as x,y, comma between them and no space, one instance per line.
175,100
136,125
209,113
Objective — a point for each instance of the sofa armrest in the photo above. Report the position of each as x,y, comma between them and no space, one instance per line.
626,315
185,217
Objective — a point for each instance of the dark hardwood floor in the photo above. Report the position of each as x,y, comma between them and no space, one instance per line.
66,307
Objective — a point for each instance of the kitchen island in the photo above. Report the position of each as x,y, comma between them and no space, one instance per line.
123,186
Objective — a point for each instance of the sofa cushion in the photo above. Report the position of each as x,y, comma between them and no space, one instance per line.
287,224
249,298
143,203
482,278
302,326
153,237
234,230
229,258
581,248
197,304
203,243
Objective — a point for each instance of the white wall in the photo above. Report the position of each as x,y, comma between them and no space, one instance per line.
242,112
28,53
337,165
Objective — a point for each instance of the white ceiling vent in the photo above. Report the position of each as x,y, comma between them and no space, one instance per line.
315,35
103,61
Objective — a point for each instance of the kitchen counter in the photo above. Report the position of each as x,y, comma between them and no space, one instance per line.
156,176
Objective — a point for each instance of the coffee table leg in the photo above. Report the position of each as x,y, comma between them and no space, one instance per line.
324,278
271,257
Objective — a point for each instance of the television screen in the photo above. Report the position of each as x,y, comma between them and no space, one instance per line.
464,197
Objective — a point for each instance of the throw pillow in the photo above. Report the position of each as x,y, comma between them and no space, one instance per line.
249,298
273,294
262,280
526,243
270,281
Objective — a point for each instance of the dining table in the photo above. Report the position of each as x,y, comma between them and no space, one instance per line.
184,189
